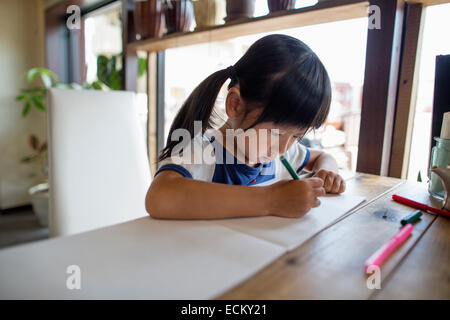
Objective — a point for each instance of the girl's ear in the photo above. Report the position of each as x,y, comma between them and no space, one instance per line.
234,105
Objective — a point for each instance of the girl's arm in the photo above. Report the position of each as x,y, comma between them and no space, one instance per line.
321,160
172,196
325,167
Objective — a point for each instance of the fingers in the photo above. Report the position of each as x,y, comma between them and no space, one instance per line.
327,178
315,203
321,174
342,187
332,182
328,183
338,185
319,192
315,182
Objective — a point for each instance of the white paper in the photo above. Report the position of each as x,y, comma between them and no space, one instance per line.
292,232
159,259
140,259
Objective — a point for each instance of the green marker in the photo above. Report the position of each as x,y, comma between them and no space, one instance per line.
289,168
411,218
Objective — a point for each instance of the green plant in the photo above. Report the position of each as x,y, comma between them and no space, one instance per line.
109,73
142,67
34,96
39,155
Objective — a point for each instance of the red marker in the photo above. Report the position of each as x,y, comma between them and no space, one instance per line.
420,206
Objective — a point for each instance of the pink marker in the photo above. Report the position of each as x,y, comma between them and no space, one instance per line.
381,254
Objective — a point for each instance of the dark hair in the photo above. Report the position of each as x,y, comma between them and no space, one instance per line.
278,73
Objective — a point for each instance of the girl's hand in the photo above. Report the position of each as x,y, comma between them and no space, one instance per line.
294,198
332,182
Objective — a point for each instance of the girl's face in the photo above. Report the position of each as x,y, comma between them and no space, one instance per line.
265,141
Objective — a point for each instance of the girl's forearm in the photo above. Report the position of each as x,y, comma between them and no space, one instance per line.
174,197
327,162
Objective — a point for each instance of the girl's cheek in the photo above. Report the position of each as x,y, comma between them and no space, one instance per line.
266,151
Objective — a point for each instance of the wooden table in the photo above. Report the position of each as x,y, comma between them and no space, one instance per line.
330,265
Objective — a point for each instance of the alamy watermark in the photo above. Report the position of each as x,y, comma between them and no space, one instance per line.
74,19
374,22
73,281
374,280
251,146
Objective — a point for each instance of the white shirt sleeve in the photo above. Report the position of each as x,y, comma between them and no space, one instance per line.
197,161
298,156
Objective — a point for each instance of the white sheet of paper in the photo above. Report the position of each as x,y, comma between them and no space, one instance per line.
140,259
292,232
159,259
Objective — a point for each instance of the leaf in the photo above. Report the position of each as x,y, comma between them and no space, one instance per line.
26,159
61,85
116,80
142,67
75,85
37,101
26,109
49,73
96,85
46,76
34,142
20,97
46,80
32,74
102,69
44,147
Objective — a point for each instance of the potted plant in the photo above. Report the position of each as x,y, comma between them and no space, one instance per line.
179,15
35,96
239,9
148,18
39,193
277,5
208,13
109,76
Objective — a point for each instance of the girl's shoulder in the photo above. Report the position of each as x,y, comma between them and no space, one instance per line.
193,159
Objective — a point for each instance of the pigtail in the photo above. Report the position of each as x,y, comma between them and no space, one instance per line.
197,107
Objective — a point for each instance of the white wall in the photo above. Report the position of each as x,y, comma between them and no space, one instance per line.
21,48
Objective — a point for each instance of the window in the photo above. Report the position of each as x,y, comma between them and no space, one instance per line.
435,42
103,36
340,45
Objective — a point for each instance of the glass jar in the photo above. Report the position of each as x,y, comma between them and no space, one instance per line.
440,157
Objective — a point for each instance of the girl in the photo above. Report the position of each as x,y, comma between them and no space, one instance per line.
279,89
